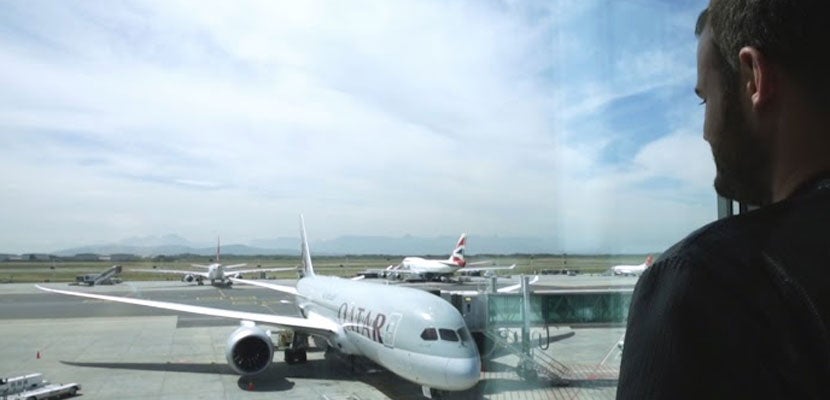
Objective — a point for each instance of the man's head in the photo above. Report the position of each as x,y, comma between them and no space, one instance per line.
747,51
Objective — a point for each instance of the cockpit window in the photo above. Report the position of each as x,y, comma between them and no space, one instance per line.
448,335
429,334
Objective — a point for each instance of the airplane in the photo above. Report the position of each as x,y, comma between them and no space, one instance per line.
217,273
439,269
633,270
412,333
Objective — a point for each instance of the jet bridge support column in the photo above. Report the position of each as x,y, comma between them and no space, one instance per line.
526,314
526,368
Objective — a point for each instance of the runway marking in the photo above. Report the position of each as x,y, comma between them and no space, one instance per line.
136,291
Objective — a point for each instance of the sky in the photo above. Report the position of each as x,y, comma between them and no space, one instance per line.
573,121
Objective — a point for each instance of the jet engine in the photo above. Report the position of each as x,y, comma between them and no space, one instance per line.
249,350
189,278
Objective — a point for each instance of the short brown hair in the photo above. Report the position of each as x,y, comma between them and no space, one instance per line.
790,33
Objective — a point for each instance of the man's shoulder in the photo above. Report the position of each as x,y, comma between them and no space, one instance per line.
740,241
709,308
717,239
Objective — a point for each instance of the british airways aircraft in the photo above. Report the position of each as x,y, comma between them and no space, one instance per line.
438,269
412,333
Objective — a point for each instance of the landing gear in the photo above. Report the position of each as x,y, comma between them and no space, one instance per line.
296,354
293,356
200,282
431,393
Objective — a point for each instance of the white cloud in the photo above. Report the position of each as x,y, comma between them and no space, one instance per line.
376,118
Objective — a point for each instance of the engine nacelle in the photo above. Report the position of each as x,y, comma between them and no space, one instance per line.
188,278
249,350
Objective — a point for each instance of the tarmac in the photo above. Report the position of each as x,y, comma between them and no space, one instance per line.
129,352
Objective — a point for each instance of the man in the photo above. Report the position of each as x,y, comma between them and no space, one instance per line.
740,308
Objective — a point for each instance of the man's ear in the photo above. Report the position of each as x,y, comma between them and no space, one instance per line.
757,77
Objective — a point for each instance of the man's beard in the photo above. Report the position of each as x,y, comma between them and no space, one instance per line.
742,160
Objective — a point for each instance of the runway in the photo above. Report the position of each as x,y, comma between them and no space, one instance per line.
131,352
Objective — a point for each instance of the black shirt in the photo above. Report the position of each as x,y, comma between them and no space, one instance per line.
738,309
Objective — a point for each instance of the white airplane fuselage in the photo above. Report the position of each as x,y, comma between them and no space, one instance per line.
633,269
425,266
629,269
216,272
386,325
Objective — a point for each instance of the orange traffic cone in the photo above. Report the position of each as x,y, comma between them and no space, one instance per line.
38,355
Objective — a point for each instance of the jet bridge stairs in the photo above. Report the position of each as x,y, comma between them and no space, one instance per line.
532,364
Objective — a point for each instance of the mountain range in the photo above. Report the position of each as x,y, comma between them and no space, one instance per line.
405,245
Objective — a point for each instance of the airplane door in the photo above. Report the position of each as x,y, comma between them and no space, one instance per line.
389,330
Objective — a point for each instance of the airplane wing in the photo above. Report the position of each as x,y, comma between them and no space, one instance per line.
232,266
454,264
473,269
406,271
375,270
248,271
318,326
272,286
508,289
172,271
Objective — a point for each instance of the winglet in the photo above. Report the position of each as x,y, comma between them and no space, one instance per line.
308,269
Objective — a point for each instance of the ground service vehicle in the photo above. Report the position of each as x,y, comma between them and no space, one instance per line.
34,387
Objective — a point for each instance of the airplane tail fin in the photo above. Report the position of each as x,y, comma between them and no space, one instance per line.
649,260
308,269
457,256
218,245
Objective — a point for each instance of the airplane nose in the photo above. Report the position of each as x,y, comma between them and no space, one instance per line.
463,373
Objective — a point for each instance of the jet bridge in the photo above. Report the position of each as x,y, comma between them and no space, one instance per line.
569,307
578,307
494,319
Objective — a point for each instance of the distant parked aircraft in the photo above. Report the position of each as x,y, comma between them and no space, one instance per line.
216,273
439,269
633,269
